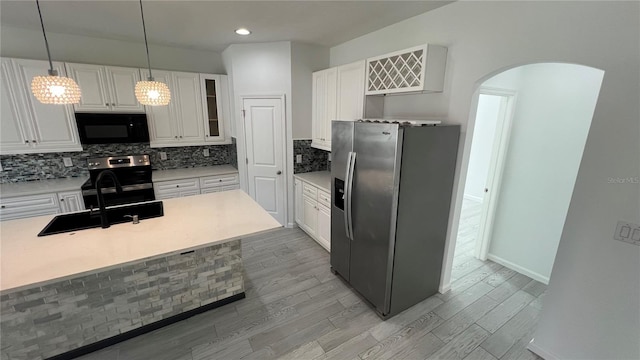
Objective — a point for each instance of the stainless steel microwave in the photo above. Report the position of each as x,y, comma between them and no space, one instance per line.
112,128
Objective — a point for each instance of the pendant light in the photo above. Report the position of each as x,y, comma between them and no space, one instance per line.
53,89
151,92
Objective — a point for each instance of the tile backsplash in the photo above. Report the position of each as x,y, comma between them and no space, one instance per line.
28,167
312,159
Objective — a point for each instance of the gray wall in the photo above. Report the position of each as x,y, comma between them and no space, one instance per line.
29,44
305,59
592,309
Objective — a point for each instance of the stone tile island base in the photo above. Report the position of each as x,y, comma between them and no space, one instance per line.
70,317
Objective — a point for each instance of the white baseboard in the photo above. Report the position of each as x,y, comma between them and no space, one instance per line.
444,288
473,198
532,274
546,355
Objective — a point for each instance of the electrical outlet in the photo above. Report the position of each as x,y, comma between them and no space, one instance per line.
627,232
67,161
298,159
205,152
163,155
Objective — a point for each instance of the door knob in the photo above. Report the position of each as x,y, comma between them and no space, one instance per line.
279,172
486,190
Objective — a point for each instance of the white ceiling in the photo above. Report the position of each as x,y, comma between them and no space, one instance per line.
210,25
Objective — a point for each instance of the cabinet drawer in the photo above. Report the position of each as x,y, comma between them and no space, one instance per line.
220,180
310,191
28,206
177,185
230,187
210,190
324,198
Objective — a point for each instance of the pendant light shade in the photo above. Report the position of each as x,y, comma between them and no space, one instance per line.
153,93
53,89
150,92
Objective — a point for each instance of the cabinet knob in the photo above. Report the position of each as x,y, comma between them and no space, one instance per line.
33,141
61,199
279,172
106,104
180,136
113,104
176,136
2,207
26,141
177,186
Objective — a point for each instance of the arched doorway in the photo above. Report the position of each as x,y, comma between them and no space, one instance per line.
526,135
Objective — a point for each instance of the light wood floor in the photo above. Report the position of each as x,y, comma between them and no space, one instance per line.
296,309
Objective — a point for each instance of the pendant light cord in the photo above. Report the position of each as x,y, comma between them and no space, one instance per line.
46,43
144,30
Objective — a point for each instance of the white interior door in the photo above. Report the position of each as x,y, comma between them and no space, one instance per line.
264,136
496,166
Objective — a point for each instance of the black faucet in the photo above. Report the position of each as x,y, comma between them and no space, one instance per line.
104,221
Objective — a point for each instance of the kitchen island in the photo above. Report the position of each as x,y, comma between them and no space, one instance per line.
75,292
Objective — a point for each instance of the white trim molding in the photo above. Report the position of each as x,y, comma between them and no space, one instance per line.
524,271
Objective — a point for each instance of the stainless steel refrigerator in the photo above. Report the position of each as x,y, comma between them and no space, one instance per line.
391,195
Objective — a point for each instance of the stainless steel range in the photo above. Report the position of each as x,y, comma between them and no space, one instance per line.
133,173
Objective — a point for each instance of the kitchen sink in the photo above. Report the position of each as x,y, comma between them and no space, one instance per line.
116,215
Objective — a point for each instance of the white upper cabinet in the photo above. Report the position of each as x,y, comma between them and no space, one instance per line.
323,107
215,108
163,126
106,88
197,114
350,91
187,101
417,69
338,94
27,125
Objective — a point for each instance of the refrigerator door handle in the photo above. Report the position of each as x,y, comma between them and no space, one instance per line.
351,167
346,195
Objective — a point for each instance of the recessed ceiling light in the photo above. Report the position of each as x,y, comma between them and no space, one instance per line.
243,31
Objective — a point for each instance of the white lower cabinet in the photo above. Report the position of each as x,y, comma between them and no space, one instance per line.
313,212
195,186
70,201
18,207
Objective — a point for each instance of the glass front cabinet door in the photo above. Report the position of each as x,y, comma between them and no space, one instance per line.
215,103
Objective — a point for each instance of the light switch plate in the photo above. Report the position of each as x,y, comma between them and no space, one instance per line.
67,161
329,157
627,232
298,159
163,155
0,166
205,152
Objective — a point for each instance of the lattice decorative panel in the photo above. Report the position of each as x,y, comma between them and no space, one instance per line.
397,72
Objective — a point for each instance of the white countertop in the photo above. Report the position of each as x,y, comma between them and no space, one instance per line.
321,179
188,223
177,174
41,186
